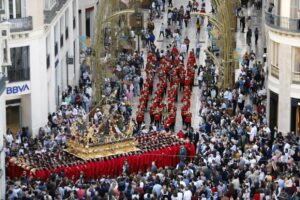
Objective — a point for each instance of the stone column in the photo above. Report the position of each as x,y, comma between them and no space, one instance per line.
285,72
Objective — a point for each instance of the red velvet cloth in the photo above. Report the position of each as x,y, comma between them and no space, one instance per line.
167,156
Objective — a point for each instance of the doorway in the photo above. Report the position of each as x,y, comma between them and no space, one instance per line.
295,115
13,115
298,121
273,117
88,25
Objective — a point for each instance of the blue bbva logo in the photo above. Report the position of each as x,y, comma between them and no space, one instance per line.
17,89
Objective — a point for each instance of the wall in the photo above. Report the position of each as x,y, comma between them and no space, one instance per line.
39,94
36,12
25,109
2,153
83,5
285,8
57,72
34,108
284,106
42,99
283,86
292,42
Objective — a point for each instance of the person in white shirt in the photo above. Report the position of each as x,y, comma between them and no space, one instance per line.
162,30
200,79
183,48
8,137
180,194
187,195
252,133
241,101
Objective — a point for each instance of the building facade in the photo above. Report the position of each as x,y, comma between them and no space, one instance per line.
87,11
43,58
3,41
2,131
283,43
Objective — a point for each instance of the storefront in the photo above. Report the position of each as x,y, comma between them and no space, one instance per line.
273,117
17,105
295,115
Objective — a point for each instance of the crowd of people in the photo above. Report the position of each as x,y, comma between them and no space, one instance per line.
233,154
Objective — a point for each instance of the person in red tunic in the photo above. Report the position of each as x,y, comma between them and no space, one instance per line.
175,51
139,118
180,134
191,150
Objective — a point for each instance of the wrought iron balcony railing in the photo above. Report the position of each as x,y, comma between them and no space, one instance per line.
20,24
282,23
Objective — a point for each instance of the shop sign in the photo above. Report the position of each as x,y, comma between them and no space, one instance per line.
18,89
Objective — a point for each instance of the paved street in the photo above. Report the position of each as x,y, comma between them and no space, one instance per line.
190,31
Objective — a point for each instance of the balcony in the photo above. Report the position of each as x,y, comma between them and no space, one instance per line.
282,23
49,15
18,74
2,83
20,24
275,71
296,77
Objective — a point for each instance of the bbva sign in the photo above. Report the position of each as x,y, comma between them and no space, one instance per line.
18,89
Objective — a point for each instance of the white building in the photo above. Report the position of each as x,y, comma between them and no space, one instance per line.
87,12
44,55
3,41
283,42
2,131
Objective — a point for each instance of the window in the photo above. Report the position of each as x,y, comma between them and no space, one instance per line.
17,8
55,48
295,9
297,60
62,29
61,40
20,64
1,5
49,4
67,24
48,51
74,22
20,57
48,61
67,33
5,52
74,14
274,54
11,9
56,39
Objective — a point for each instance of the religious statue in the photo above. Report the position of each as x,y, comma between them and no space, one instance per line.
89,137
129,131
